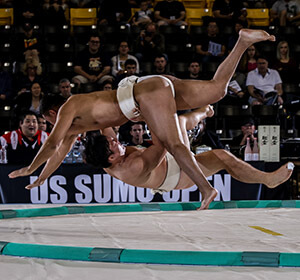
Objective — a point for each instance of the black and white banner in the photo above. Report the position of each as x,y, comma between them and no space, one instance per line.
79,183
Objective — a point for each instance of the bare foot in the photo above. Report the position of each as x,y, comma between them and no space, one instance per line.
207,199
280,175
251,36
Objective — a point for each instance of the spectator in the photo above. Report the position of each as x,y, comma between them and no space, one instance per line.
31,73
42,123
54,9
27,11
28,44
137,132
64,86
5,85
149,43
130,69
211,46
285,65
234,37
82,3
6,4
228,11
30,100
285,12
92,65
160,66
194,71
239,142
201,136
169,12
107,85
118,61
254,4
264,85
236,91
248,60
23,144
116,14
144,15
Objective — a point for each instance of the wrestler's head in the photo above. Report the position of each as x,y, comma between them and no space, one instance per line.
102,151
50,106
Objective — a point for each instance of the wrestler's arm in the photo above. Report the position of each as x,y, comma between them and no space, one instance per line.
54,162
108,131
153,155
50,147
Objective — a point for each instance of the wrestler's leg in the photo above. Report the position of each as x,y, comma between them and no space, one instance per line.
213,161
196,94
158,108
189,120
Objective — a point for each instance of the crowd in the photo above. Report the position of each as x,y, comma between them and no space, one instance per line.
154,40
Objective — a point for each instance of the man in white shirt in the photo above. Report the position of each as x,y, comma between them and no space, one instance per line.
264,85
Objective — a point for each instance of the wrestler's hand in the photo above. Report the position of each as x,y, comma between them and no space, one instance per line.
20,172
36,183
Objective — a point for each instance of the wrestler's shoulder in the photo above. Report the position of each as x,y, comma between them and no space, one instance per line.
77,98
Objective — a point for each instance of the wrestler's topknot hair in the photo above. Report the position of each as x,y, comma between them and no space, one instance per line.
97,150
51,102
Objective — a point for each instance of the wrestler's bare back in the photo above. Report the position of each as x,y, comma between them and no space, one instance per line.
93,111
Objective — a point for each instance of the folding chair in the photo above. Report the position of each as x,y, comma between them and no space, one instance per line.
6,16
83,16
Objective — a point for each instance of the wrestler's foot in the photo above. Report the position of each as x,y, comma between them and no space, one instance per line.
280,175
251,36
207,199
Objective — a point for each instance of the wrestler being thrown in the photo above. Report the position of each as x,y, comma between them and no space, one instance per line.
155,168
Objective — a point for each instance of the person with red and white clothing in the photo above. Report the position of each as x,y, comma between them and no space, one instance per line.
20,146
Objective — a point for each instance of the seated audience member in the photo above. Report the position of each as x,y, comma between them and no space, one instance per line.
54,9
239,142
5,85
107,85
27,11
227,12
144,15
137,132
114,13
31,73
92,65
285,65
82,3
64,86
149,43
28,44
161,66
130,69
236,91
194,71
201,136
285,12
6,4
248,60
169,12
211,46
264,84
118,61
234,37
42,123
254,4
22,145
29,100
